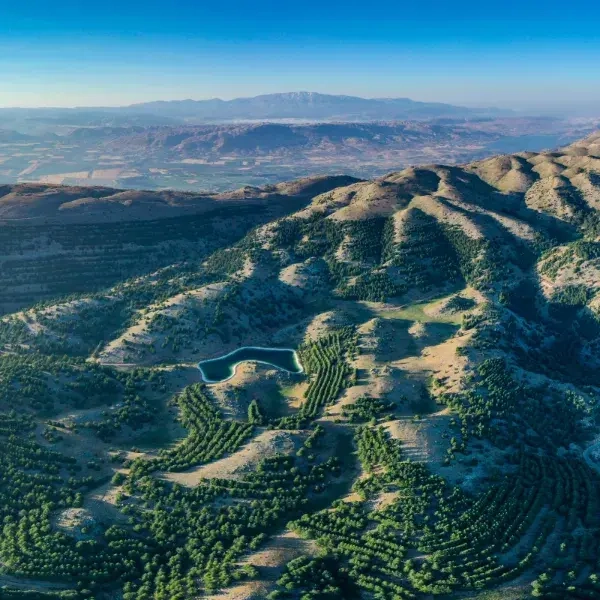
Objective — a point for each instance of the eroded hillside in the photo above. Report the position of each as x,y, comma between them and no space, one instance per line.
57,240
440,441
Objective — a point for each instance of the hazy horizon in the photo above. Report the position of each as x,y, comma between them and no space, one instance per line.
209,97
581,108
532,56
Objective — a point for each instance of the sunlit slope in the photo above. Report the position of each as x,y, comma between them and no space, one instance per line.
441,441
57,240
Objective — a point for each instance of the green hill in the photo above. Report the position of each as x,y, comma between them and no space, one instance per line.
441,440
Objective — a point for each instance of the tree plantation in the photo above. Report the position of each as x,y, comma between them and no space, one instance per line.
431,432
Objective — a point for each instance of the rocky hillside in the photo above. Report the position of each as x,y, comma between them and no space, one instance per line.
280,139
441,440
57,240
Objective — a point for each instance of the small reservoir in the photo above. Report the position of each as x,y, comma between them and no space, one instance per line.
220,369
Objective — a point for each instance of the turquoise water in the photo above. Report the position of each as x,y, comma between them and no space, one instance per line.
223,368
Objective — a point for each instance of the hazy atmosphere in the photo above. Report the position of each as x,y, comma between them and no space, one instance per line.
299,301
533,56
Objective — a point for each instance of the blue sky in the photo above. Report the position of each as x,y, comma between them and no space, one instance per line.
524,54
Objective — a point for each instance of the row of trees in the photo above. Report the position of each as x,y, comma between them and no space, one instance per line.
210,436
466,542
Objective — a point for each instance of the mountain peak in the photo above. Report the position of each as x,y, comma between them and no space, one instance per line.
308,105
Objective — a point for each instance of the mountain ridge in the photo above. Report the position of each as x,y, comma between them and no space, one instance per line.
442,439
286,105
312,105
24,201
37,204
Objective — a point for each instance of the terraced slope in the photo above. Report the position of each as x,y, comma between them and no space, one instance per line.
56,240
441,441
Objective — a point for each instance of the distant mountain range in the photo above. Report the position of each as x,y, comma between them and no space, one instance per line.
309,105
303,106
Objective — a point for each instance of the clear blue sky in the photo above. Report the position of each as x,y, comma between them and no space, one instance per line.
507,53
